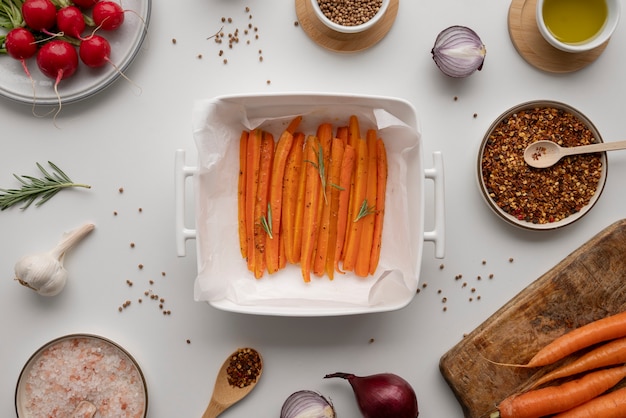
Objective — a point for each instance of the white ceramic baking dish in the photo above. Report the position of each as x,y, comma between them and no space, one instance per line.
223,279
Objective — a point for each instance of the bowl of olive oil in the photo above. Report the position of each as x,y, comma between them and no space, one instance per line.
577,25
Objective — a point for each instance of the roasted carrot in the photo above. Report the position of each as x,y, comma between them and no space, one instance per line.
604,329
311,196
327,238
299,213
291,184
324,136
382,172
345,179
354,131
610,405
342,133
609,354
364,250
553,399
241,194
354,136
261,223
253,160
283,146
359,206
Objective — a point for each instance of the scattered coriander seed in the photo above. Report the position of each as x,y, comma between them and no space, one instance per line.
471,299
296,23
114,213
464,284
162,300
121,190
188,341
371,340
223,19
268,82
140,210
441,266
247,9
424,285
163,273
418,290
438,291
475,115
151,281
160,306
511,260
444,300
225,61
140,266
146,293
199,56
139,300
132,245
478,278
478,297
261,59
230,20
445,308
473,290
484,262
456,98
119,309
491,275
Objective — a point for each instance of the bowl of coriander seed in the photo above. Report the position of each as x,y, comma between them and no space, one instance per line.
540,198
350,17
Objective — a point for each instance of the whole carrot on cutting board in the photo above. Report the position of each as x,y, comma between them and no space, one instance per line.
554,399
608,328
283,146
609,354
610,405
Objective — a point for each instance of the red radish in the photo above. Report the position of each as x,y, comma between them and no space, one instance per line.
57,59
108,15
39,15
70,21
94,51
20,44
85,4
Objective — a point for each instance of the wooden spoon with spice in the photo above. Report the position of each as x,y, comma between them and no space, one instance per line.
236,378
545,153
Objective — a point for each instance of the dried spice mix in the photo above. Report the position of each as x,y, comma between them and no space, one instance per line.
244,367
539,195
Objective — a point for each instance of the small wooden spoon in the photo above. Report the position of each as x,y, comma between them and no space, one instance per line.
543,154
224,394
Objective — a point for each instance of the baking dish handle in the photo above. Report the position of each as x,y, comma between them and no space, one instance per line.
182,172
437,235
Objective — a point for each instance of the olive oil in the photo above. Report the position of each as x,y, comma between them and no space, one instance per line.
574,21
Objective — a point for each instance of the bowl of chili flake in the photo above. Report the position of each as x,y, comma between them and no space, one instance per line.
540,198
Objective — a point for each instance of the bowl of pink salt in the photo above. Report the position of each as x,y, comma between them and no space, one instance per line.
69,372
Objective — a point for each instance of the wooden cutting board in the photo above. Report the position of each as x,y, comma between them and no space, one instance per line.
588,284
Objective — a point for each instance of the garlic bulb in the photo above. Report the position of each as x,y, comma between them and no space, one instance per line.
44,273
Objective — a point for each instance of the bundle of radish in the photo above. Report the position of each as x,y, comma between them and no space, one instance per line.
59,32
597,371
317,200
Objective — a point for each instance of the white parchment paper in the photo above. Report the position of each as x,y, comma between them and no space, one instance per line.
222,273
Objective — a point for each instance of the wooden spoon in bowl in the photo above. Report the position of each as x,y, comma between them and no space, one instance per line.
544,154
225,393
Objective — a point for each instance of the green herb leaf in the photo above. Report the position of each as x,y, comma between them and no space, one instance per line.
37,188
365,210
266,222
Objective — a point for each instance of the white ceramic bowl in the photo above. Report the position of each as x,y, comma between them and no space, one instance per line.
350,29
81,367
614,11
519,167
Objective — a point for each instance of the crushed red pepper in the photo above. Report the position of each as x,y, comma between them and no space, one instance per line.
534,195
244,367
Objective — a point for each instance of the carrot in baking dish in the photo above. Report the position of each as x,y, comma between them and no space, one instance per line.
253,159
353,138
334,178
364,251
358,207
311,196
291,183
241,194
611,405
381,191
553,399
604,329
283,146
345,180
261,204
609,354
324,136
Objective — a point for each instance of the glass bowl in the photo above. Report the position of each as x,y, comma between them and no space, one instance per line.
546,198
81,367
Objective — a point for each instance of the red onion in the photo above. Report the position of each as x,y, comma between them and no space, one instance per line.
307,404
458,51
382,395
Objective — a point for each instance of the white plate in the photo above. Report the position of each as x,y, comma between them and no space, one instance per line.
223,279
125,44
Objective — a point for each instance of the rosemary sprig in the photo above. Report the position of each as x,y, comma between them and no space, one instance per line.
37,188
365,210
266,222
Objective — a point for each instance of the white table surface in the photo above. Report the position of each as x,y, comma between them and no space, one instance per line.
122,138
